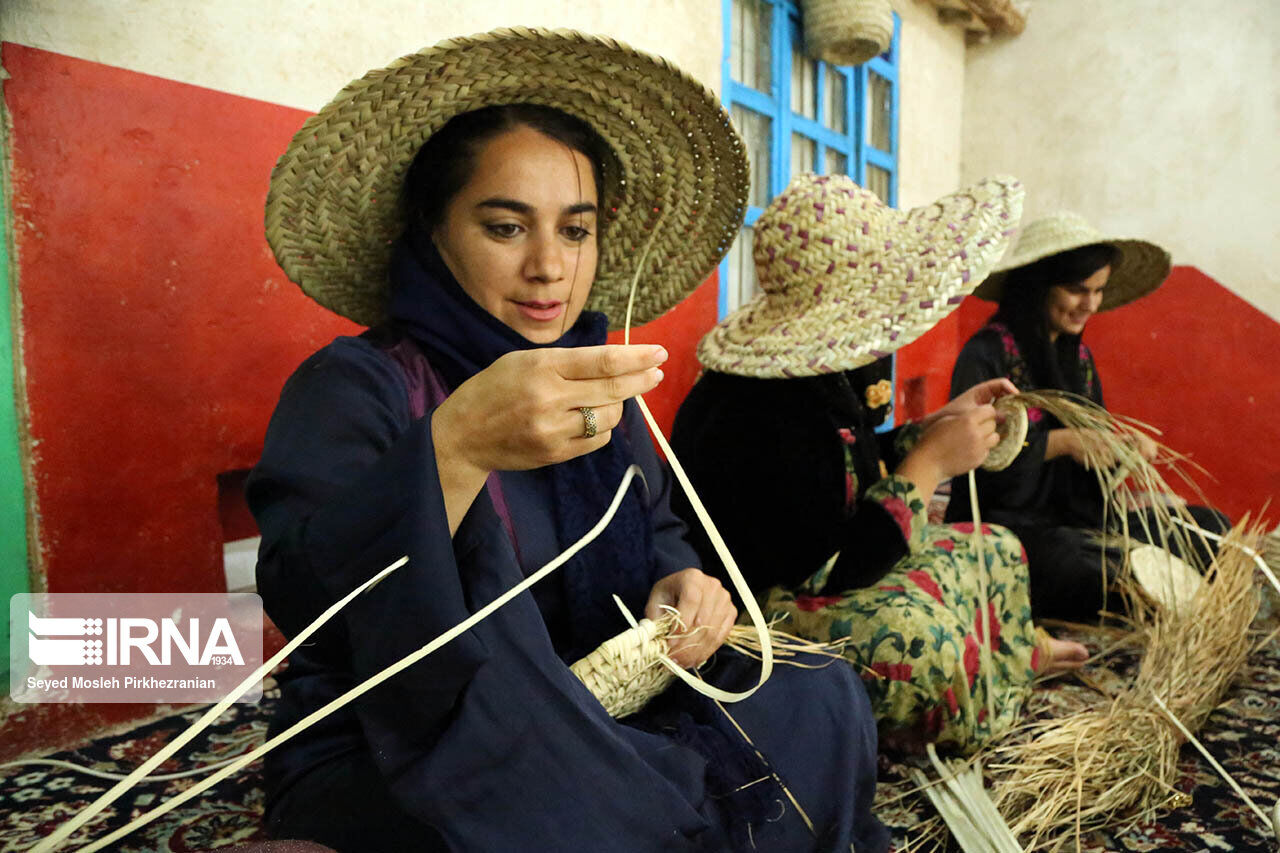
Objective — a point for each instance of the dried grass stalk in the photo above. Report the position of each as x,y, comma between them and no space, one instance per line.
1116,763
961,798
1127,479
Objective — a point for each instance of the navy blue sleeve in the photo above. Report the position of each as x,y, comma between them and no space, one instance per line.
346,485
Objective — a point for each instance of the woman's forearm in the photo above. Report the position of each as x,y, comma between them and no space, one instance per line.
922,471
460,480
1061,442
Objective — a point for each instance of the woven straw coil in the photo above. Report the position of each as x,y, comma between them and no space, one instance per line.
847,32
1141,268
627,670
1013,433
1164,578
847,280
679,175
624,672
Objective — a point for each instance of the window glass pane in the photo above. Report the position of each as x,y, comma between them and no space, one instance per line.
880,110
742,270
837,163
804,83
878,182
803,150
756,130
833,102
750,57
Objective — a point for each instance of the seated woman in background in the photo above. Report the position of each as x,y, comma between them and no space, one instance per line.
1060,274
470,202
828,519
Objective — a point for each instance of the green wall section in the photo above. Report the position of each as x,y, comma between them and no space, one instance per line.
14,576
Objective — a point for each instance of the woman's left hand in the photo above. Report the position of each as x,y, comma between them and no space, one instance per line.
705,607
982,394
1146,446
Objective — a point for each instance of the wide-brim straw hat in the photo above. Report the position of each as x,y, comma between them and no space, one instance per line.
1141,268
677,186
847,280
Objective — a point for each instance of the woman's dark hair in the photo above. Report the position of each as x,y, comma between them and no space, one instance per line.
1023,308
445,162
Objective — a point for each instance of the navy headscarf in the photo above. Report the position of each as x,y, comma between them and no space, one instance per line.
460,339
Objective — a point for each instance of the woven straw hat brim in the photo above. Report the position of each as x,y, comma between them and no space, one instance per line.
1143,266
848,280
680,178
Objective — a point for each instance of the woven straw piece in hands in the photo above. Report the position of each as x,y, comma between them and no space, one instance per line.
1142,267
624,672
1013,434
847,32
847,280
679,173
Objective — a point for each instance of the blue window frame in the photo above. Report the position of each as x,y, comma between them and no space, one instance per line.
801,114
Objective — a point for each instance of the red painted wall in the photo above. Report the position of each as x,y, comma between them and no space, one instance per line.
157,329
1192,359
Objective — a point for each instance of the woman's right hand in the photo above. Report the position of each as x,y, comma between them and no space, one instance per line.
523,411
951,445
1085,447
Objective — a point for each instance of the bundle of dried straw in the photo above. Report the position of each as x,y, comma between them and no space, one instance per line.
1116,762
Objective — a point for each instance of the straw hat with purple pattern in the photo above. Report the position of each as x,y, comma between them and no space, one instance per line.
847,280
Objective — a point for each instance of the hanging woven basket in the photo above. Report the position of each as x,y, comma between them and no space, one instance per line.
847,32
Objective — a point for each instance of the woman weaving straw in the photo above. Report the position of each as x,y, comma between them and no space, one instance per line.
1061,273
481,205
827,518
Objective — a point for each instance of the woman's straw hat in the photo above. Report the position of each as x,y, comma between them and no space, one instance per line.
847,32
678,184
847,280
1141,268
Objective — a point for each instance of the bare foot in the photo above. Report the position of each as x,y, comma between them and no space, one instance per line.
1064,655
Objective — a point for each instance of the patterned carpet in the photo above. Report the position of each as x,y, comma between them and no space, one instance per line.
36,799
1242,734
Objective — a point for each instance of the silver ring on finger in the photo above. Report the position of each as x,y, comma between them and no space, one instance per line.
588,421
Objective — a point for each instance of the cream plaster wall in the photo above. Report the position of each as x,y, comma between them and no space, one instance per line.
931,73
1151,118
301,52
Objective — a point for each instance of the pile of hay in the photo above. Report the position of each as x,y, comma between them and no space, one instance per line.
1116,763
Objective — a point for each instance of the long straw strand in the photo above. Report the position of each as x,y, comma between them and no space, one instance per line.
984,649
62,832
1222,771
717,542
1257,558
366,685
992,831
106,774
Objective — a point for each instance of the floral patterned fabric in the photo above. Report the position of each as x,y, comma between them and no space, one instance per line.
1019,372
916,635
